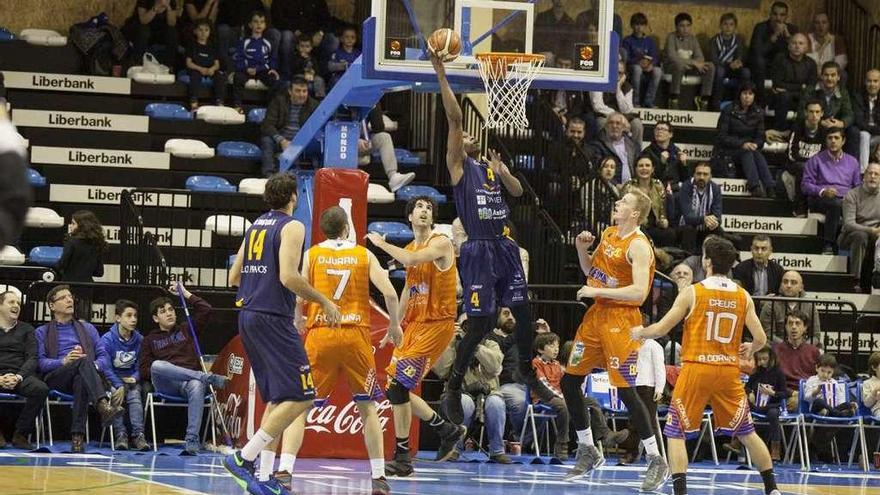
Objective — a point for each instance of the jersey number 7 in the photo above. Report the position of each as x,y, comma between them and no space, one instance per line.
343,275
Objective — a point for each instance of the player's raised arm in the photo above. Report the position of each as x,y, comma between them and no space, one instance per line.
582,243
234,277
379,278
511,183
440,247
455,140
679,310
640,254
753,323
289,255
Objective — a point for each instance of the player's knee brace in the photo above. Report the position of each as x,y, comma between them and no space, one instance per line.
397,394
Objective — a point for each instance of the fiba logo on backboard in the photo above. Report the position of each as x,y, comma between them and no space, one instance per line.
587,57
394,49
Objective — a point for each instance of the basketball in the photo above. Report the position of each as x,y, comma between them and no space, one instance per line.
446,43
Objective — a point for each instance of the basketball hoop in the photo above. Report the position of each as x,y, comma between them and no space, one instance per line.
507,77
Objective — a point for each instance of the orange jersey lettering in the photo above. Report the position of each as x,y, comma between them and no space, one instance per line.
431,290
713,329
611,266
340,270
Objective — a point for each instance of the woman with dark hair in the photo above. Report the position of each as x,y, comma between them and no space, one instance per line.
740,139
83,249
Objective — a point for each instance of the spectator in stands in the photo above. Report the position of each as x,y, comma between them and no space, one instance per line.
861,222
168,360
770,39
683,276
154,21
773,314
797,358
254,59
642,59
826,47
806,141
15,192
597,197
695,264
569,162
836,106
303,64
194,10
310,18
286,114
553,31
760,275
767,392
549,372
380,140
871,386
68,353
650,383
571,104
345,55
656,225
727,52
813,391
202,60
84,247
793,74
511,386
121,347
18,369
621,101
614,142
685,57
740,138
233,18
867,116
699,204
670,163
828,176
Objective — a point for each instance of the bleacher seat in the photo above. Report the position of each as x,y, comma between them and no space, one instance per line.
9,255
256,115
393,231
47,256
405,158
408,192
230,261
6,35
255,85
43,218
233,225
687,80
36,179
443,229
252,186
239,149
209,183
188,148
216,114
377,193
137,73
45,37
775,148
183,78
167,111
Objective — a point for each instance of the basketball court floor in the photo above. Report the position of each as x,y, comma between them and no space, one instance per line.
166,473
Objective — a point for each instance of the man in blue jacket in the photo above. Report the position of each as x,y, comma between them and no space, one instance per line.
699,204
68,353
120,348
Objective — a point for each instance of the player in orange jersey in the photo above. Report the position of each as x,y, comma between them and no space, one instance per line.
428,303
343,271
619,276
715,311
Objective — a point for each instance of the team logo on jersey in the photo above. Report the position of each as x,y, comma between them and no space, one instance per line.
124,359
612,252
410,371
603,278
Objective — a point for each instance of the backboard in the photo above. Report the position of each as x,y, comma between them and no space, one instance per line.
574,35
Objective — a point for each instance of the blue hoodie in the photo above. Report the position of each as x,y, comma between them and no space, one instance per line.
120,357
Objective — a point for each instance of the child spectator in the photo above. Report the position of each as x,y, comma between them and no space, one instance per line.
650,382
767,392
305,65
81,259
345,55
684,56
202,60
254,60
822,393
119,364
871,386
726,51
549,371
641,59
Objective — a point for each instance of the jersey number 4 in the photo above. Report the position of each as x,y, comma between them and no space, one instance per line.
343,275
255,245
714,323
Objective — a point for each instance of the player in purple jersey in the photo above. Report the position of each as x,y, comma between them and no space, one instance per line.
489,266
268,280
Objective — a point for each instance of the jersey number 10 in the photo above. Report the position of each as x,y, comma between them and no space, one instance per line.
713,326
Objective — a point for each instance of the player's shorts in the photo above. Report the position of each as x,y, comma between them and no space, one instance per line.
603,341
277,356
423,343
345,351
720,387
490,271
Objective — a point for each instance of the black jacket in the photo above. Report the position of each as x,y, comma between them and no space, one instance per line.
672,171
745,270
278,114
736,128
510,364
771,376
18,350
237,13
861,110
80,261
794,76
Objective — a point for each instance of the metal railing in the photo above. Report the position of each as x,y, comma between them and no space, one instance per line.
141,260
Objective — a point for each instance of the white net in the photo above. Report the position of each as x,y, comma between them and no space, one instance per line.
507,77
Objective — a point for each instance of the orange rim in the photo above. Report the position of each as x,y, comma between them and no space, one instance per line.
510,57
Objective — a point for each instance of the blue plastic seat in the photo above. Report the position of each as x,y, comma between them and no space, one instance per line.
36,179
239,149
230,260
6,35
408,192
47,256
167,111
394,231
183,78
406,158
209,183
256,115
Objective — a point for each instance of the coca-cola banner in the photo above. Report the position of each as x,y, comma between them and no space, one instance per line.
334,431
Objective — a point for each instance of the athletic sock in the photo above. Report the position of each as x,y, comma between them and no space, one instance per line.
585,437
287,462
436,421
769,480
402,446
679,484
267,464
255,445
377,468
651,447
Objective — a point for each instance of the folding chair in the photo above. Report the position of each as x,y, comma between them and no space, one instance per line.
869,421
17,399
57,398
155,399
541,412
834,394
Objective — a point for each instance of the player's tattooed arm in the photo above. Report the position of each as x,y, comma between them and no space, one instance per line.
440,247
679,310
